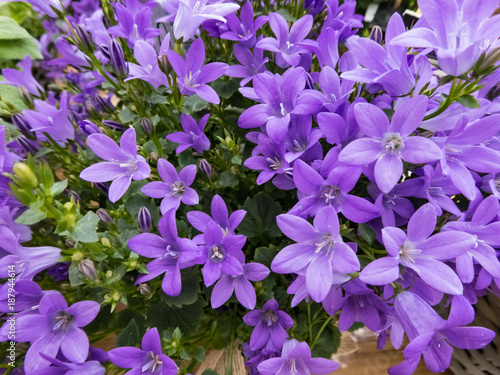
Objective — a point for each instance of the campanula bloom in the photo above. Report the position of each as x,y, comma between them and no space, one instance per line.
244,31
421,251
251,64
193,76
171,254
390,143
296,359
175,187
24,78
148,360
270,326
148,69
192,136
319,249
122,163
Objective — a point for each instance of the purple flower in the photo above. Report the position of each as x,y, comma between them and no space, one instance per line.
422,252
458,32
390,143
64,368
193,135
88,128
193,76
220,254
27,261
171,254
288,45
270,326
175,188
192,13
16,78
70,55
251,64
149,360
319,249
244,31
133,24
47,7
296,359
56,327
316,192
281,97
121,166
240,285
220,216
432,336
148,69
343,18
27,294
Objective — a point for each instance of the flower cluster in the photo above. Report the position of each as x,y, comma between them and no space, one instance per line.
183,170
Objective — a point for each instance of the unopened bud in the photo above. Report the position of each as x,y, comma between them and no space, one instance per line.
102,186
87,268
70,243
205,168
144,219
117,58
85,38
146,125
104,216
45,175
114,125
78,255
153,157
74,195
165,64
144,289
19,121
88,127
27,145
91,110
104,104
25,96
376,34
25,174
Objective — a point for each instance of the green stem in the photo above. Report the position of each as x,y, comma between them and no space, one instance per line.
321,331
229,364
309,321
446,104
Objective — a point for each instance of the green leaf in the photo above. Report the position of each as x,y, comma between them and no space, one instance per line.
468,101
18,48
286,15
10,29
367,233
126,116
86,229
187,318
328,342
228,179
31,216
193,104
75,276
190,289
129,336
58,188
260,220
9,93
226,89
265,255
199,355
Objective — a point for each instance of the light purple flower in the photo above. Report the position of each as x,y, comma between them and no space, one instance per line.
390,143
251,64
25,78
122,163
171,254
270,326
240,285
193,135
244,31
149,360
422,252
319,250
175,186
148,69
193,76
296,359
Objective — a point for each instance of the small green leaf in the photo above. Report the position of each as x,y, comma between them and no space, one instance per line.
193,104
187,318
468,101
19,48
86,229
328,342
58,188
126,116
10,29
75,276
367,233
286,15
265,255
129,336
31,216
260,220
228,179
190,288
9,93
226,89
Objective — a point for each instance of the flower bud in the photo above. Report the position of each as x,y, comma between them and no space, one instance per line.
19,121
102,186
27,145
87,268
205,168
144,219
104,104
91,110
45,175
104,216
153,157
144,289
146,125
376,34
165,64
87,127
85,38
114,125
77,255
118,58
74,195
25,96
70,243
25,174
